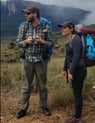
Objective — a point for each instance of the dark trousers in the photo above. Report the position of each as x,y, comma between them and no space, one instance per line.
30,69
77,85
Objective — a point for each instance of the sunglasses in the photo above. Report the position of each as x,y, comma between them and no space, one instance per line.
64,27
28,13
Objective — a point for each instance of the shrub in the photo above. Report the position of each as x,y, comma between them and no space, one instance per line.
10,74
11,45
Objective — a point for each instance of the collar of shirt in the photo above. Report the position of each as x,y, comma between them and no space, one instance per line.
39,24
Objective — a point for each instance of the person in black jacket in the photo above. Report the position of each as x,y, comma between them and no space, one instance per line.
77,71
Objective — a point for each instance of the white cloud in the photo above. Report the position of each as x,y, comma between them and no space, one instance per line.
88,5
82,4
89,19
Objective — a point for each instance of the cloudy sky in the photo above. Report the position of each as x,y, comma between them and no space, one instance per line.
82,4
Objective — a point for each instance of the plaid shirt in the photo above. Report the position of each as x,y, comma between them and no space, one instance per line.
35,51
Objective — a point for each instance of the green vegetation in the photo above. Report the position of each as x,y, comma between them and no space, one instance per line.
62,93
9,53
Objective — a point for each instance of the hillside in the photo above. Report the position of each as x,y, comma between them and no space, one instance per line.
56,14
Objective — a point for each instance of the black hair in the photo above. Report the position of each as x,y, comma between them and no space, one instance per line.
68,24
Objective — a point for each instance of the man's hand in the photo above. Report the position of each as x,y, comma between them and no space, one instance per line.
39,40
28,40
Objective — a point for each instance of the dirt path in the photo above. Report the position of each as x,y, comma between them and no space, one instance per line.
9,106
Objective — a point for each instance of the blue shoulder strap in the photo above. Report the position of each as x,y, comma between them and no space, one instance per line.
90,47
89,40
47,22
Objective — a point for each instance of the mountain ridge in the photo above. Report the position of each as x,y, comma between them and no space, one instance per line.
56,14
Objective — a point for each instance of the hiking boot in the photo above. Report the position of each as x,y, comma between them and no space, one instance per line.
71,113
46,111
78,120
73,120
21,113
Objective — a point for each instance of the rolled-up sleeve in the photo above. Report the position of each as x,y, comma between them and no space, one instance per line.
49,39
21,35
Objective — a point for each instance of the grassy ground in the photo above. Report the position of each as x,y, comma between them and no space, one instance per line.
60,93
11,68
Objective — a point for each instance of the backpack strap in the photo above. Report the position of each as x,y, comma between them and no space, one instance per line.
26,26
83,43
44,26
47,22
72,40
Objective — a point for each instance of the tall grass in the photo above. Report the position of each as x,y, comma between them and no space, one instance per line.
10,73
59,89
61,92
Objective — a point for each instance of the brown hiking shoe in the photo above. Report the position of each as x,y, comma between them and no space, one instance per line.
73,120
78,120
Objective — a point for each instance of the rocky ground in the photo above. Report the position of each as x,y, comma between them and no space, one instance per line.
10,105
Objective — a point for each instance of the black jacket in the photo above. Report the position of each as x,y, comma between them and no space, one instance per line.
73,54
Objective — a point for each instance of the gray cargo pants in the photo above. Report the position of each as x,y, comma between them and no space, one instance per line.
28,71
